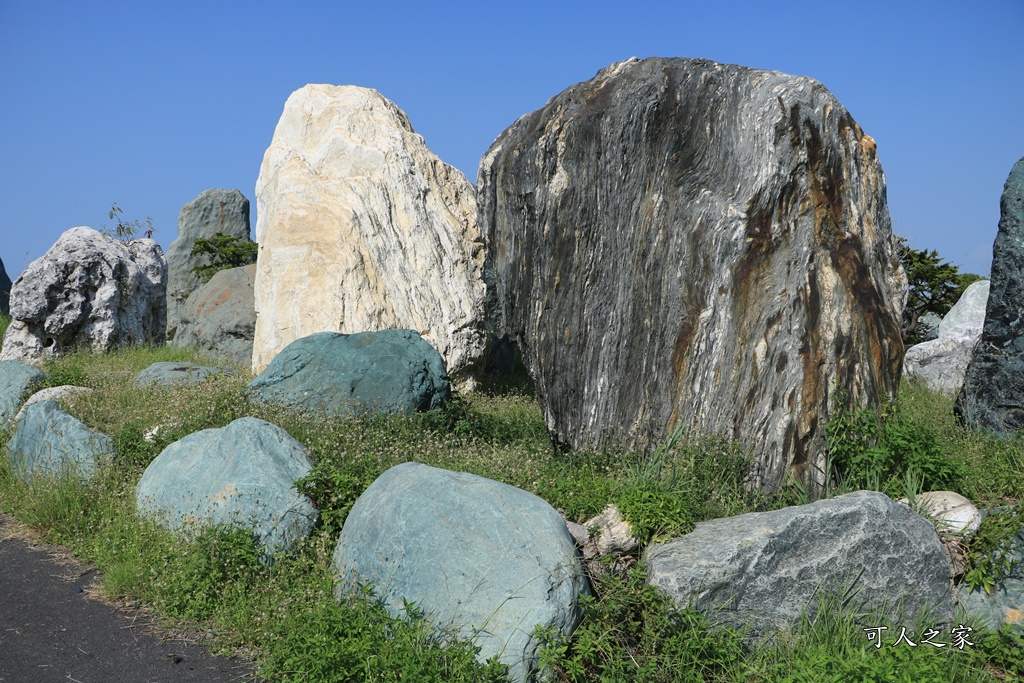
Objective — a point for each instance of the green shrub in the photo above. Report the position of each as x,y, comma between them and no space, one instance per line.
224,251
5,320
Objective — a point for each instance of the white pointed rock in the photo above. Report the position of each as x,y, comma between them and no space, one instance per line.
362,228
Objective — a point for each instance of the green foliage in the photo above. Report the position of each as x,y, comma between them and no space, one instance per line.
632,632
126,230
934,286
224,251
333,488
1003,649
992,552
653,512
875,451
5,321
63,373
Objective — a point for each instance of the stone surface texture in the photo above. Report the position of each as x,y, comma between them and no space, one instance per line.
941,363
15,380
48,441
240,475
5,290
219,317
361,228
167,373
213,211
89,290
992,397
951,512
350,375
483,557
1005,604
761,569
60,393
680,243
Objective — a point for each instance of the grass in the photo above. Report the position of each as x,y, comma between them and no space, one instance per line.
285,615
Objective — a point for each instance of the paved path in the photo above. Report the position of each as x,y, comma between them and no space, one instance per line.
50,630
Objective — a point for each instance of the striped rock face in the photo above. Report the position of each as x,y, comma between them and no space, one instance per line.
362,228
684,244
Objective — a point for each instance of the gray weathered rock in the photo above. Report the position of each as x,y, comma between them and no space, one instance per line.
992,396
5,290
213,211
48,441
220,316
351,375
942,362
16,378
167,373
967,317
89,290
240,475
53,394
486,558
762,569
679,243
362,228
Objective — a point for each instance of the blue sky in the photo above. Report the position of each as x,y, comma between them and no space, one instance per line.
148,104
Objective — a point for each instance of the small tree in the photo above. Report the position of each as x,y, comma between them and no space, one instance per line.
225,251
934,286
125,230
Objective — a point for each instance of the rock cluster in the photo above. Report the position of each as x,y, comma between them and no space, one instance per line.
219,317
992,396
942,362
361,228
683,244
89,290
212,212
487,559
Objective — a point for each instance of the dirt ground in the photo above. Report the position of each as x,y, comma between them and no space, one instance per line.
52,627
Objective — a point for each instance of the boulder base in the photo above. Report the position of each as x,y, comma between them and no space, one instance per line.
219,317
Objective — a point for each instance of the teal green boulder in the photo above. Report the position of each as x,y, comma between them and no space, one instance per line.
241,475
351,375
168,373
48,441
16,378
482,558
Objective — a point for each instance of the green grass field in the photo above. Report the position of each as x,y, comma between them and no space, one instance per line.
284,615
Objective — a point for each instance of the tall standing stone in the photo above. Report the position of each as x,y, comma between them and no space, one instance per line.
992,397
684,244
362,228
213,211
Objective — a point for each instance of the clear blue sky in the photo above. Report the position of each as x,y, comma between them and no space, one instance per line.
148,104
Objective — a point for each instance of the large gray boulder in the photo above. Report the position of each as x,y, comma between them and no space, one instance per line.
680,244
762,569
15,381
942,362
1005,604
213,211
992,397
362,228
87,290
219,317
48,441
351,375
5,290
487,559
241,475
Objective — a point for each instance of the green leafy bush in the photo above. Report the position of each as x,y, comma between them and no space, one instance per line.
224,251
990,553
